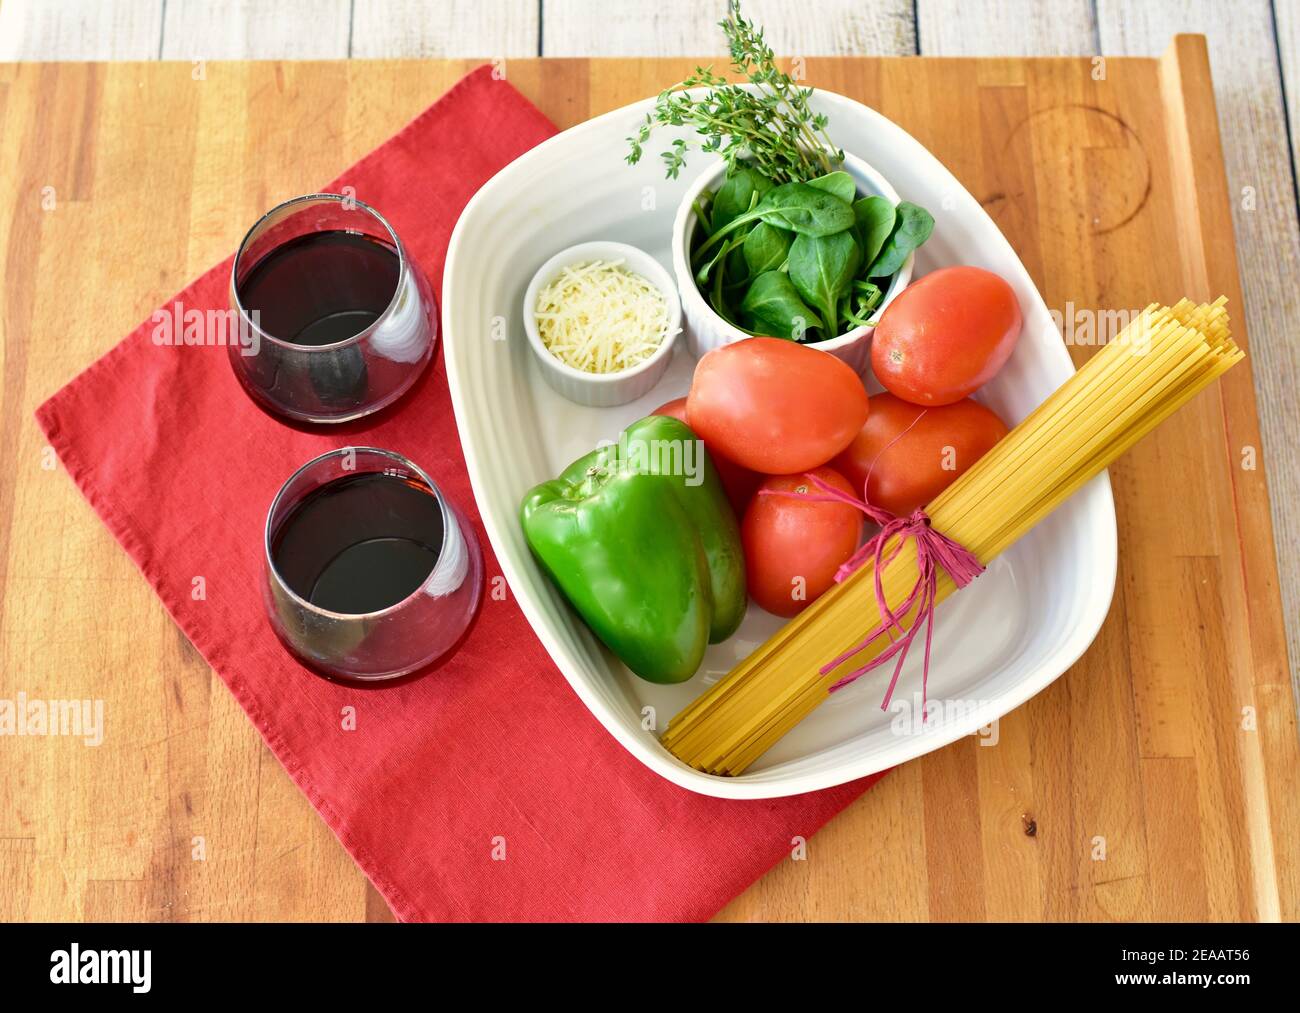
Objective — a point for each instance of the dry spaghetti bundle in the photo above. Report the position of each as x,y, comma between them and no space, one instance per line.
1153,367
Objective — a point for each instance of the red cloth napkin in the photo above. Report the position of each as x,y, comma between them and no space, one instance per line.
485,790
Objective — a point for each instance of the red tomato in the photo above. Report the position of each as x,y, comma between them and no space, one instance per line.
739,482
912,453
793,546
775,406
945,335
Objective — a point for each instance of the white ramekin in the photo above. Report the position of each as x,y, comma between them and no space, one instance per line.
604,390
705,330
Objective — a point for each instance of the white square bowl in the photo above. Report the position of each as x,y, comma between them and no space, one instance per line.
997,643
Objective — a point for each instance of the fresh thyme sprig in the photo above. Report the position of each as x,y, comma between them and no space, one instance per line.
772,127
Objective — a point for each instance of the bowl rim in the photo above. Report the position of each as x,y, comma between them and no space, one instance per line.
685,220
645,265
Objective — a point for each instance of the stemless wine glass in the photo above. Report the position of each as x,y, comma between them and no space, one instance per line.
336,319
370,572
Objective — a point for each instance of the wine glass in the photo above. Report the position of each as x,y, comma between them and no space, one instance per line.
370,572
336,320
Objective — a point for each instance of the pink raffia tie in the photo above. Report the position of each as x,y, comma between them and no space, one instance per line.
933,551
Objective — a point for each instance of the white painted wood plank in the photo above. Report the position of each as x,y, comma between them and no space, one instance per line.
255,29
1252,121
80,29
445,28
1006,28
689,27
1286,16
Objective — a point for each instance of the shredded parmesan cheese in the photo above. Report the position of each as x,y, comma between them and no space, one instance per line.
600,317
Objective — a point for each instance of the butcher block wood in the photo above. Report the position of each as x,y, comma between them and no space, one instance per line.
1158,778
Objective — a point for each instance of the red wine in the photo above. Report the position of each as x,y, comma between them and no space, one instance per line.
323,287
360,543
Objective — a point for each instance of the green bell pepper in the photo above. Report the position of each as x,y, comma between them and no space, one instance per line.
642,541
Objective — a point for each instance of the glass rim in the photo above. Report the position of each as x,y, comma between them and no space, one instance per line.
402,264
447,520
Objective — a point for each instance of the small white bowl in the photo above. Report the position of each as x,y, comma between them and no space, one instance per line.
705,330
604,390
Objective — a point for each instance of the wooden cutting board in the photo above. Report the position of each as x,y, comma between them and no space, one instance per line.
1156,779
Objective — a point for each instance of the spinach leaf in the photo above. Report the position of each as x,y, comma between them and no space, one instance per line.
720,302
774,304
839,183
701,207
805,209
735,269
862,300
822,269
796,207
737,195
766,248
912,228
875,221
707,268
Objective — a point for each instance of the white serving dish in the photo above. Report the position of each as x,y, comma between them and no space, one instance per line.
603,390
997,643
705,330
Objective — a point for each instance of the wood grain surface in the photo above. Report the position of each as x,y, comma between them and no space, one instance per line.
1156,779
1254,52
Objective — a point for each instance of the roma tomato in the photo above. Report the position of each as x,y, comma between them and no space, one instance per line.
912,453
945,335
775,406
739,482
793,545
